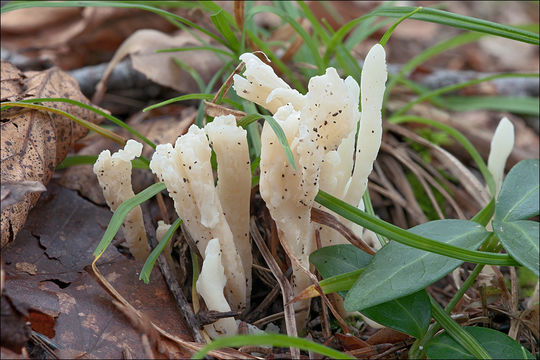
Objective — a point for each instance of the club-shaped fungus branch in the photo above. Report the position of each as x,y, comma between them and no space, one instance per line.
210,286
187,173
114,176
259,81
501,147
229,142
314,124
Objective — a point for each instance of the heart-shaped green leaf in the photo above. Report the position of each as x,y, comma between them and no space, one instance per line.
521,239
497,344
398,270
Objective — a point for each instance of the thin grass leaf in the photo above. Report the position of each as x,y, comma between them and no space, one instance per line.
191,71
277,340
318,29
87,124
113,119
193,48
224,27
389,32
15,5
430,94
514,104
407,238
138,163
439,17
282,138
488,177
151,259
457,332
453,42
309,41
121,213
184,98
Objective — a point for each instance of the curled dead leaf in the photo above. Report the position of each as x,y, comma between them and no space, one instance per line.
34,142
12,192
161,68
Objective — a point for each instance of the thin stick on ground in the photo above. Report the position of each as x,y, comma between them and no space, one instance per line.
185,308
286,288
324,218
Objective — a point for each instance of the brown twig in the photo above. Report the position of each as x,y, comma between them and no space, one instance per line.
267,300
286,289
185,308
322,217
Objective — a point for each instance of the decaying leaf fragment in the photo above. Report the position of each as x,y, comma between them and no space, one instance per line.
34,142
114,176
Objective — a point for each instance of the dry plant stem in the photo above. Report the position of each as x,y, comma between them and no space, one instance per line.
286,289
514,320
185,308
215,110
324,218
267,300
399,154
398,177
228,83
313,279
405,132
297,43
239,6
324,313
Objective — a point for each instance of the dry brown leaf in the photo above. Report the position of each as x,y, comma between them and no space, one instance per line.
15,192
75,37
160,67
34,142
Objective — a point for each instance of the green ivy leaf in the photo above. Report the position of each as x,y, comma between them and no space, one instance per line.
520,239
497,344
410,314
398,270
519,198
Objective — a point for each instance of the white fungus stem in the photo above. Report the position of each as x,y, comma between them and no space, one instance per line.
501,147
210,286
114,176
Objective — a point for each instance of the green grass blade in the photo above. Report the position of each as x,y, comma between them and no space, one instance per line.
87,124
151,260
405,237
192,72
457,332
193,48
429,53
389,32
184,98
121,213
430,94
138,163
309,40
282,138
488,177
341,282
515,104
224,27
277,340
14,5
113,119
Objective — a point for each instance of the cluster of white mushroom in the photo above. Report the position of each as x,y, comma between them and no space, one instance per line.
320,127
